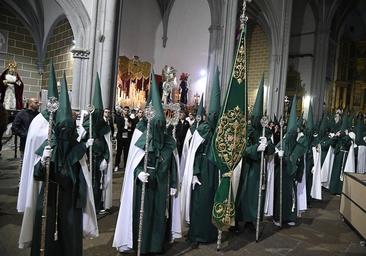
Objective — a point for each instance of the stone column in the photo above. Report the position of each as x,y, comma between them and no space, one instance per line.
279,59
230,16
318,85
106,50
78,97
215,50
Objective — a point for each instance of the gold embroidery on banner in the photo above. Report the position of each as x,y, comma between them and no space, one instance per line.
241,62
224,212
231,137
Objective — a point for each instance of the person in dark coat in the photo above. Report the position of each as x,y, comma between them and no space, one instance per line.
181,131
23,119
124,135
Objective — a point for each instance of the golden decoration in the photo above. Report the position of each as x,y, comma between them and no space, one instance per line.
240,66
224,211
132,69
231,137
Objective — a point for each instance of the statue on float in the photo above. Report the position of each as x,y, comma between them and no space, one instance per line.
11,88
169,82
184,88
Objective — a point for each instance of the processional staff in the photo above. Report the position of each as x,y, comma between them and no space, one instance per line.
91,109
52,106
281,168
264,122
149,113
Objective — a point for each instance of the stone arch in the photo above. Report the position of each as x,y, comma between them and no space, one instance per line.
49,34
79,19
58,50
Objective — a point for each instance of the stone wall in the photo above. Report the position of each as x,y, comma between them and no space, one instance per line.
58,50
21,47
258,60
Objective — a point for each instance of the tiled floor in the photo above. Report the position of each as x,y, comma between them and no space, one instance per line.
320,231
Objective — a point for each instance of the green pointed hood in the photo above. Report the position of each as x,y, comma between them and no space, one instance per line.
52,83
152,83
214,107
97,96
64,110
346,122
292,121
258,105
201,110
323,125
310,121
360,131
156,102
300,121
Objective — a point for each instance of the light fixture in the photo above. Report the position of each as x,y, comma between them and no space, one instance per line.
203,72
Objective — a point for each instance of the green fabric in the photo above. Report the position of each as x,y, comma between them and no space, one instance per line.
201,109
156,102
293,167
346,123
214,106
258,105
52,83
247,199
97,96
341,147
153,81
360,131
163,176
310,121
71,200
52,89
235,102
292,122
201,228
311,142
64,110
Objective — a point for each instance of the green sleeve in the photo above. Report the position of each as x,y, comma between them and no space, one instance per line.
81,200
139,168
197,160
270,150
173,173
252,153
39,171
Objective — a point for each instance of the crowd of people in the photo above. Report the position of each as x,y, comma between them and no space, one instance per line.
170,177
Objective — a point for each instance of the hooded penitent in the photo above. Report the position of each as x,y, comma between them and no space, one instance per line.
247,203
67,193
201,167
161,167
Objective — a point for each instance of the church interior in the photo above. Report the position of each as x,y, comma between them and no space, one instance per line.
312,49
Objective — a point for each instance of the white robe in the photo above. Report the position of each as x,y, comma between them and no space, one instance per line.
269,200
108,173
361,159
302,204
185,150
37,134
123,236
316,188
186,189
327,168
350,165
